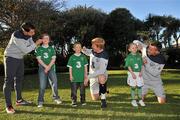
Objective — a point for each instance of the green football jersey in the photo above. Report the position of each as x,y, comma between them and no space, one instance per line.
46,54
134,61
77,63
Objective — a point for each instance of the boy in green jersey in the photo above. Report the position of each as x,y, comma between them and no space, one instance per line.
78,74
46,58
134,64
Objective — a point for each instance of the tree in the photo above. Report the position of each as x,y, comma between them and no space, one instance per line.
173,28
155,24
14,12
119,29
83,23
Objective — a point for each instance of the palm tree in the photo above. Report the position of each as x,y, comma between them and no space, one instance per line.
172,29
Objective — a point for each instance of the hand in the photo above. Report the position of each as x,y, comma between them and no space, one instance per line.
140,74
38,42
47,69
86,81
133,75
144,61
84,48
70,78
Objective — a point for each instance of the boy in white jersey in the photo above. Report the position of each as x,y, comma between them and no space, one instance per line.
98,69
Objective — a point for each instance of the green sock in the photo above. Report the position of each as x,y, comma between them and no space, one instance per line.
133,89
139,89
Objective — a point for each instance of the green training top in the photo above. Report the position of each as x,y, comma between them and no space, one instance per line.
134,61
77,63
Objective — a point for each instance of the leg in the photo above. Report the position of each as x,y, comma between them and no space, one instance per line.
18,80
139,85
53,82
144,91
82,93
102,79
133,93
161,100
74,87
102,90
139,90
94,88
95,97
102,86
10,73
133,96
42,83
159,91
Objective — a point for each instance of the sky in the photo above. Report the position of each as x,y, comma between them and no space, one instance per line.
138,8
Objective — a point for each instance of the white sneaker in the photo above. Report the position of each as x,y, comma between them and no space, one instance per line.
10,110
83,104
142,103
134,103
40,104
58,101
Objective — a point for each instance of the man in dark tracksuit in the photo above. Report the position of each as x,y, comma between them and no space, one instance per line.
19,45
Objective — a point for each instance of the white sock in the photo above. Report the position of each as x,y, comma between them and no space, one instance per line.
103,96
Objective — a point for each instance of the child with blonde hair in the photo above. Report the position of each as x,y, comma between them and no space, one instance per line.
134,63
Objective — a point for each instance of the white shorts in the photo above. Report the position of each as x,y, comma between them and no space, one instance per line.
135,82
156,86
94,85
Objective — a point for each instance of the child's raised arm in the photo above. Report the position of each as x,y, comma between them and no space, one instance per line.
86,51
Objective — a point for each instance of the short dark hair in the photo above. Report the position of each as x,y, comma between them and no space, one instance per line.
27,26
158,45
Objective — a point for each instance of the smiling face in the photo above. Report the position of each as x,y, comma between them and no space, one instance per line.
95,48
152,50
45,40
77,48
133,48
30,33
98,44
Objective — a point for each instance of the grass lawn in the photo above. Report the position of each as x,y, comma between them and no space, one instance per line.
119,106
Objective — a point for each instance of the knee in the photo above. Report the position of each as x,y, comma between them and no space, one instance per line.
161,100
95,97
42,87
102,79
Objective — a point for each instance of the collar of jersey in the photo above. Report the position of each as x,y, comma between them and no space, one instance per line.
45,46
77,54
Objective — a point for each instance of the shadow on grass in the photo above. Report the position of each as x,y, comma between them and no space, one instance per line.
32,81
94,115
121,102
